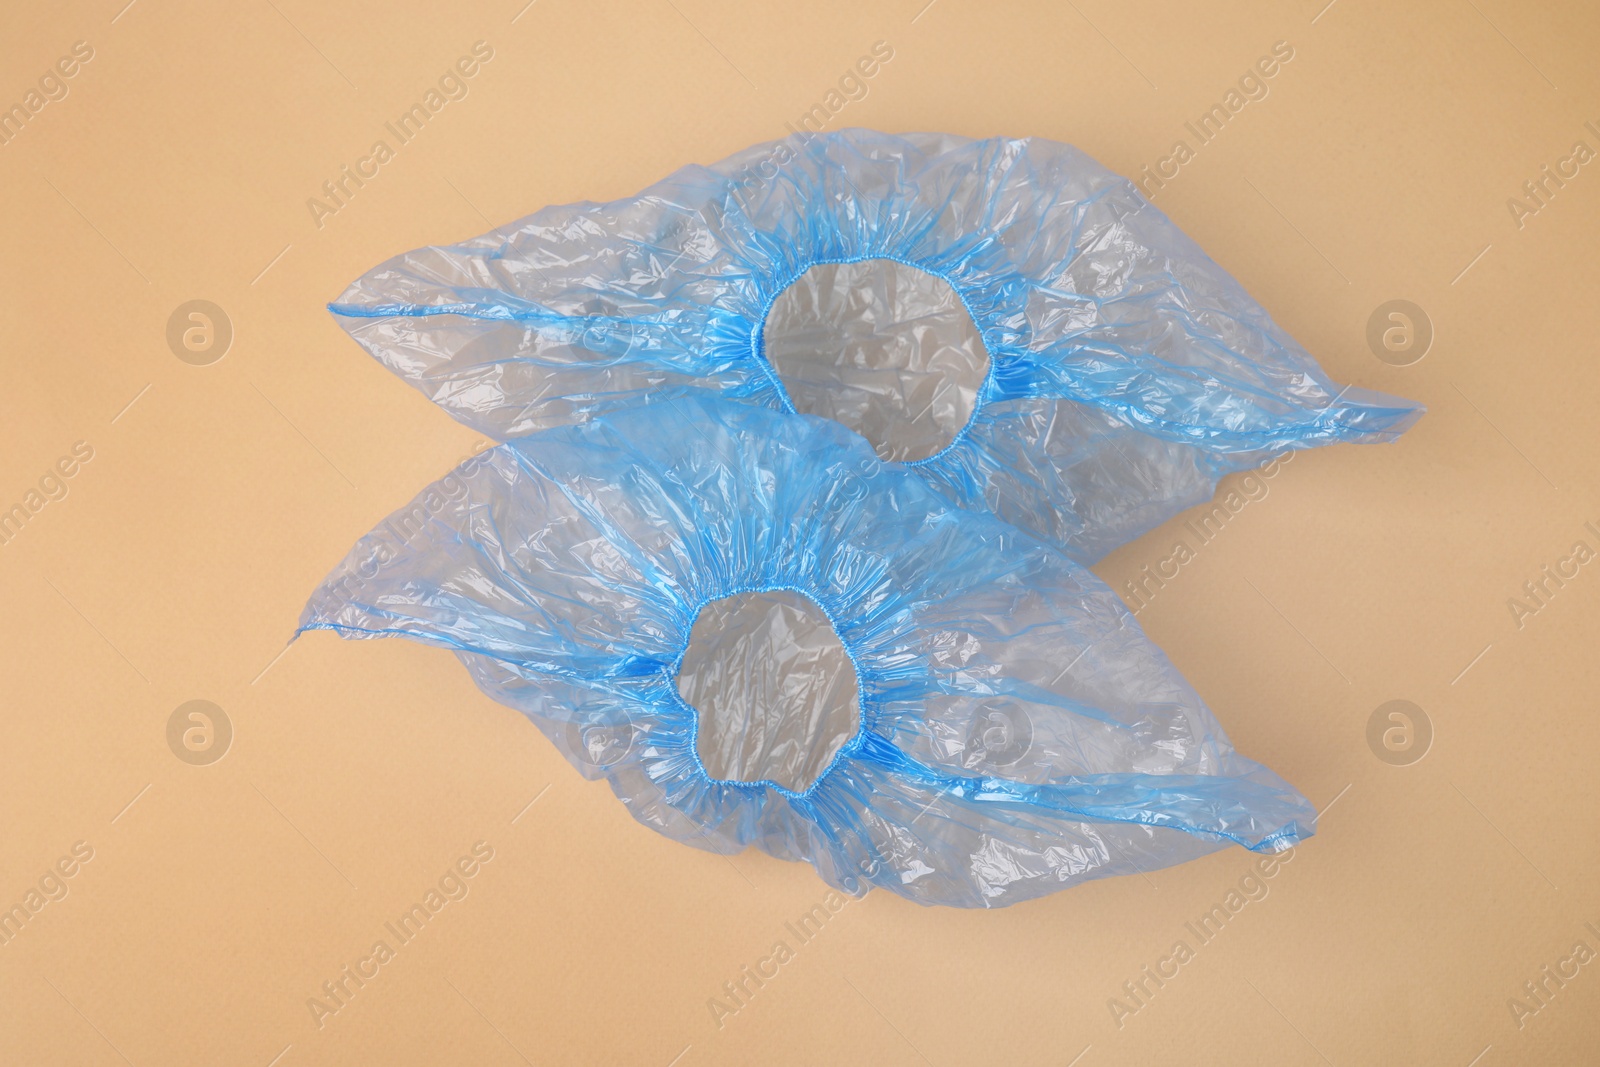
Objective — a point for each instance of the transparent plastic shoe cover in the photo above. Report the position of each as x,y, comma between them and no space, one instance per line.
1007,316
760,634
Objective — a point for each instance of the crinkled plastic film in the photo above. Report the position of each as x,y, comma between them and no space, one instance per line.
1006,316
1007,729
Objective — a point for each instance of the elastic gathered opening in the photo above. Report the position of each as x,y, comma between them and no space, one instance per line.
774,691
883,347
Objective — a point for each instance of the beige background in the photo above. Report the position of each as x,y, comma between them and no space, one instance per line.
219,898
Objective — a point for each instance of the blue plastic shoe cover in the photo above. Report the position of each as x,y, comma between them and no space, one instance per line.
760,634
1008,316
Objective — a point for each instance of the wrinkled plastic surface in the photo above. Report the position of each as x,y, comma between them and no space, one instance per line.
886,349
1017,733
774,686
1126,371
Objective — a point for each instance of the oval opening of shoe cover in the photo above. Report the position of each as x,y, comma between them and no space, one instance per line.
886,349
774,689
